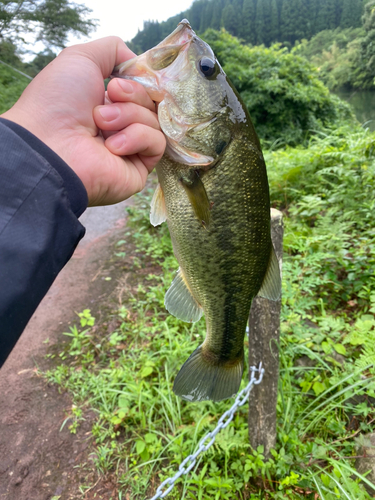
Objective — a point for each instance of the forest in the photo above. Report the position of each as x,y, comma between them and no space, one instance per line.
335,35
260,21
118,362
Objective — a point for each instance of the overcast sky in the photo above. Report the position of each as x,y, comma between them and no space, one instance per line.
125,17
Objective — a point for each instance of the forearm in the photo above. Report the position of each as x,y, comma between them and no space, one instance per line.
40,202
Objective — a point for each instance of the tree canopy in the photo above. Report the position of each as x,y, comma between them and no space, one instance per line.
259,21
286,100
49,21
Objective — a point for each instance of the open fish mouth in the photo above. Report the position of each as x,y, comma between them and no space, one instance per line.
151,67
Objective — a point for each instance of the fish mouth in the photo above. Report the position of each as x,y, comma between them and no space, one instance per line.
155,67
150,68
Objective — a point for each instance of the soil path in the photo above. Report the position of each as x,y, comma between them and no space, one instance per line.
37,460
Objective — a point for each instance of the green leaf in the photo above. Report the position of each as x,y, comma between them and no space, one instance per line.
327,348
150,438
123,402
325,480
318,388
146,371
340,349
140,446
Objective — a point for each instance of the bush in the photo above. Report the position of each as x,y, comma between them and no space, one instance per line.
286,100
12,85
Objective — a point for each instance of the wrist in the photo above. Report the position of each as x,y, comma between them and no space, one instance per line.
73,185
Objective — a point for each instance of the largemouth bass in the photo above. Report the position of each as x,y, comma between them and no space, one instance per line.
214,195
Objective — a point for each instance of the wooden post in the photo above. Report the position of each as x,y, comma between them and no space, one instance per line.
264,334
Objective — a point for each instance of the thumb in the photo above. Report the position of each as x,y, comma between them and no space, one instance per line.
106,53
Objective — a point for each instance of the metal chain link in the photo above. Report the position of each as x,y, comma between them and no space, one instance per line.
209,439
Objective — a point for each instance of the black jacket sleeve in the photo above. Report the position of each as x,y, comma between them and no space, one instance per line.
41,199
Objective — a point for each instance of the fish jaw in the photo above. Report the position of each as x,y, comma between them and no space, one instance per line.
151,68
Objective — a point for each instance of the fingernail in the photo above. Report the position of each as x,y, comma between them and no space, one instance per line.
117,141
109,113
126,86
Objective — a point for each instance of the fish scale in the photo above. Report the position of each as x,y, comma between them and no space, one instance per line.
213,193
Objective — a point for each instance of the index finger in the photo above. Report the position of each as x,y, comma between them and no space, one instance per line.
120,90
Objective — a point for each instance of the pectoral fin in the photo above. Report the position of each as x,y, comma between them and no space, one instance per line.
197,195
271,286
180,302
158,213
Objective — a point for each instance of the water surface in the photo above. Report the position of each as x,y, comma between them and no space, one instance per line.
363,104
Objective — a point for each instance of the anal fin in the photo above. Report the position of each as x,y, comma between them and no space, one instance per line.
271,286
180,302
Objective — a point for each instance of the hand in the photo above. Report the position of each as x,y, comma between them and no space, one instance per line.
63,106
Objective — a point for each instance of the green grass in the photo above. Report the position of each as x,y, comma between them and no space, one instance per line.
123,367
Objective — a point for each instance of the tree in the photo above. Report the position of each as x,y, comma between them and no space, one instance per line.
39,62
274,22
216,19
207,15
230,20
326,18
286,21
281,90
267,38
248,21
351,13
50,20
366,68
259,22
195,14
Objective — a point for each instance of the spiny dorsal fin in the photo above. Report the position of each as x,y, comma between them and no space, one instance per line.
180,302
271,286
158,213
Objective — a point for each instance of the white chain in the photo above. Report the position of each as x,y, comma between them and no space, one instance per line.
185,467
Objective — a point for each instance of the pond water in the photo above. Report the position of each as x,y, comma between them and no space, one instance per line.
363,103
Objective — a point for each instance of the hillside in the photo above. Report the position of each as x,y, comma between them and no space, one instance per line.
258,21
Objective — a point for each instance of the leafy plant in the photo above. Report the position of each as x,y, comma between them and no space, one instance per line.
286,100
143,432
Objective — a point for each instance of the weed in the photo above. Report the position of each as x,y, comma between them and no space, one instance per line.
143,431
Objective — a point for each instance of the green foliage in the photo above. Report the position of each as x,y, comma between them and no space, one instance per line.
365,71
336,54
12,84
258,21
345,57
329,187
125,372
39,62
50,21
286,100
15,75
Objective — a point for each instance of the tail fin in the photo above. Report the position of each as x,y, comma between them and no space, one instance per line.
200,378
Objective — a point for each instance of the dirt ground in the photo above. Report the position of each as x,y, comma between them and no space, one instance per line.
38,460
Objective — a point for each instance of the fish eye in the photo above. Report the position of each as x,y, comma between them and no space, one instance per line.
207,67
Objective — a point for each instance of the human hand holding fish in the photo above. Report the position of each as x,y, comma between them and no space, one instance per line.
112,148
